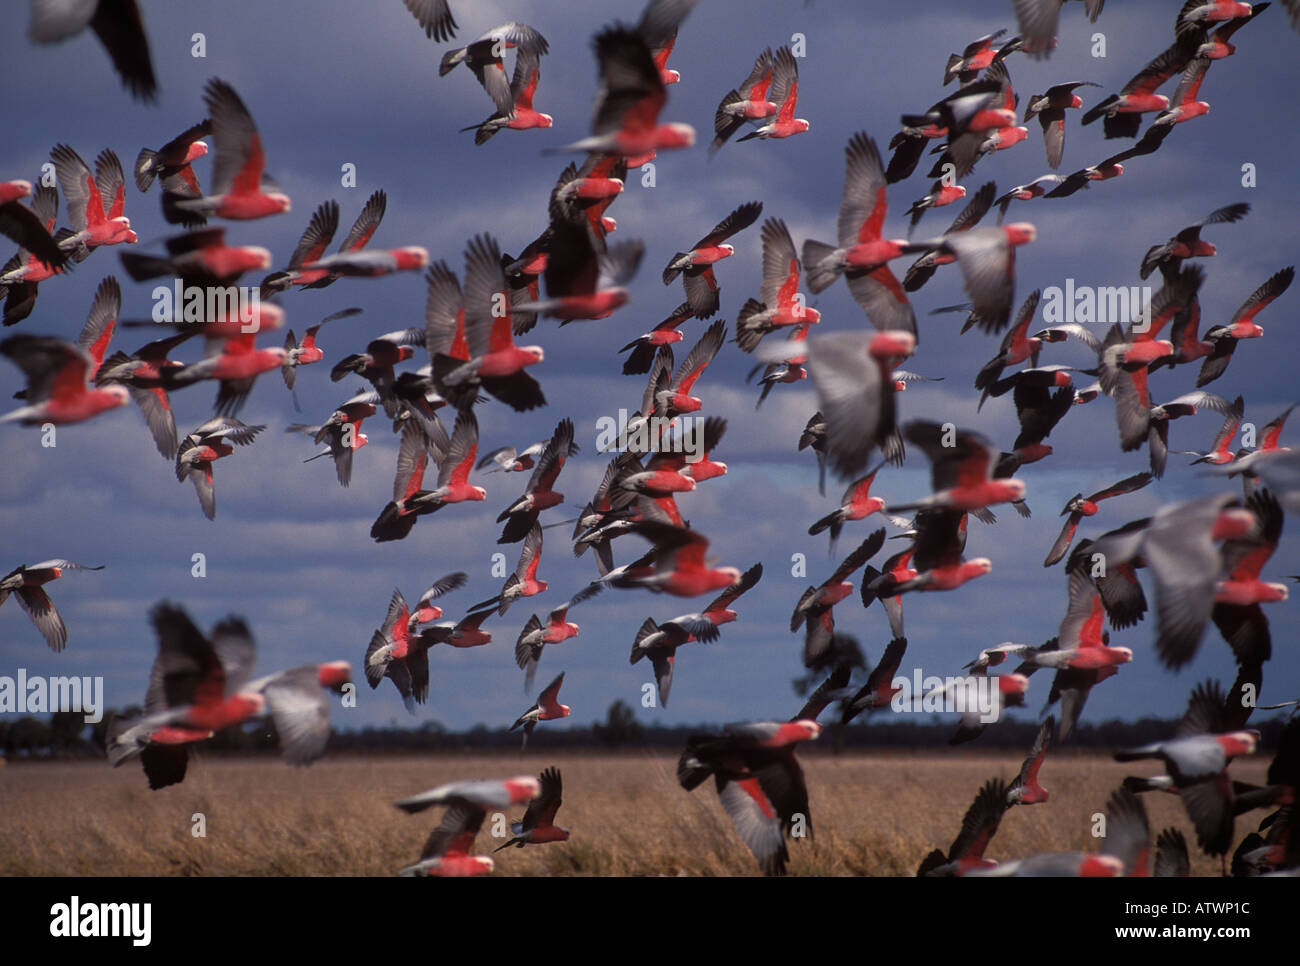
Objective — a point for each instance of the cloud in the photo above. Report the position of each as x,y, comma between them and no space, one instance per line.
290,548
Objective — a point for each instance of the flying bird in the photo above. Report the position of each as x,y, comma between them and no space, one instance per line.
96,202
205,445
30,230
1196,758
240,186
20,277
310,267
1024,789
978,826
630,99
538,826
58,390
1050,108
1037,21
759,783
495,363
27,582
784,93
454,458
522,116
485,57
1080,506
557,629
547,708
696,266
117,24
173,158
746,103
863,254
435,17
1122,112
1187,243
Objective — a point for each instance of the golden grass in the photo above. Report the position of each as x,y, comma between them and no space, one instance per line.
873,814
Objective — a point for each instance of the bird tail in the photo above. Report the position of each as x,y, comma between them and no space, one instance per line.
1138,785
352,363
749,334
722,120
825,522
273,283
915,120
816,262
578,528
460,394
671,273
119,750
391,525
951,69
1097,110
691,771
936,858
604,557
450,59
78,252
642,357
1137,754
989,375
1150,260
374,672
175,211
527,652
645,630
144,267
869,575
144,168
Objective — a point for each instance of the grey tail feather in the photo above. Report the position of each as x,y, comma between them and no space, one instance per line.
671,273
932,861
450,59
117,724
645,630
144,267
814,253
823,523
373,674
144,170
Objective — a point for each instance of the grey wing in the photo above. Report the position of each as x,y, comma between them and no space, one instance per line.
232,130
850,396
882,299
300,709
234,647
41,610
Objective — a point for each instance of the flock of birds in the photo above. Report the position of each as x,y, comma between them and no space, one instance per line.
1204,557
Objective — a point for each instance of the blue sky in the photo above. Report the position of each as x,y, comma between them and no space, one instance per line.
331,83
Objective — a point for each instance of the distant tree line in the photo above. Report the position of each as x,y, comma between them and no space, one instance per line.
65,735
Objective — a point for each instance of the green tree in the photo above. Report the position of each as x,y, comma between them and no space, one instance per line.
620,727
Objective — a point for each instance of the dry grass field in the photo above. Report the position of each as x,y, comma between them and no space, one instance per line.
873,814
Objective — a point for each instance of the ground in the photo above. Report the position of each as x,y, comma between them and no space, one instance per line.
872,814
